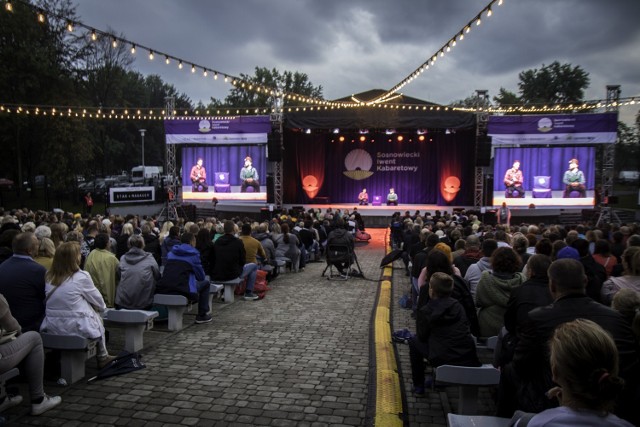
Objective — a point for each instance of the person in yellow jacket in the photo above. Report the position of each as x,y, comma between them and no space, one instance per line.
102,265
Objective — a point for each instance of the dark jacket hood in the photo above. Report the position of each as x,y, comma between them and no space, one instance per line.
184,249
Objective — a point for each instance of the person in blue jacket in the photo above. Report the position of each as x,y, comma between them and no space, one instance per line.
183,275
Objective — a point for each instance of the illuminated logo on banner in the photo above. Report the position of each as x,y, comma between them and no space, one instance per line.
545,124
204,126
358,163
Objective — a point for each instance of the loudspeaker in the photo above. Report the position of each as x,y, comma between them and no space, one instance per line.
270,195
483,151
274,146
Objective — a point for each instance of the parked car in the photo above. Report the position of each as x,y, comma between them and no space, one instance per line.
628,177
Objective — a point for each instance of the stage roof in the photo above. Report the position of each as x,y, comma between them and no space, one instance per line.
379,117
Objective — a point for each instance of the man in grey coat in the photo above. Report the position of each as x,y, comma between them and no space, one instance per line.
138,275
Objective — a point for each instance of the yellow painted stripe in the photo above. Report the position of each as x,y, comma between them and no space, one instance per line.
388,392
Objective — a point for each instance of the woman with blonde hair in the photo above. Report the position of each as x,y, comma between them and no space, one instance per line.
46,251
584,364
164,232
73,303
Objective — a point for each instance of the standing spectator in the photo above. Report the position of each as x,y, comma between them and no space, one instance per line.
88,203
22,282
503,214
229,261
102,265
139,273
183,275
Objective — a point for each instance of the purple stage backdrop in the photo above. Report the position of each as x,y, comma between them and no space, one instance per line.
553,162
554,129
438,170
226,158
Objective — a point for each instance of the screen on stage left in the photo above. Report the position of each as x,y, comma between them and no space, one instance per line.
226,172
544,176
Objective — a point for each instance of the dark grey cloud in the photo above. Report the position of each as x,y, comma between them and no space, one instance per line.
352,46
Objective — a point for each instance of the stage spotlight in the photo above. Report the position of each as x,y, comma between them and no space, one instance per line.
390,131
308,131
422,131
363,138
336,130
341,138
400,138
363,131
447,131
421,138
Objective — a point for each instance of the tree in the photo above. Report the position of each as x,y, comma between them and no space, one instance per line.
553,84
289,82
472,101
628,148
506,97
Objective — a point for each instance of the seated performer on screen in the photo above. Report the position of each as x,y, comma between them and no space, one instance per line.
574,180
513,180
392,197
199,177
249,176
363,197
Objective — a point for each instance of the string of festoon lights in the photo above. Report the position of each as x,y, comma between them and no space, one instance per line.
43,15
160,114
487,11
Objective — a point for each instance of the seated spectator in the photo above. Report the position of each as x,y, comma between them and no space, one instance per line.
524,381
264,237
602,255
340,236
102,265
630,279
474,272
584,365
73,303
6,239
151,243
627,302
494,290
46,251
24,348
443,334
22,282
123,239
471,254
309,239
139,273
287,246
183,275
252,247
596,274
229,261
172,239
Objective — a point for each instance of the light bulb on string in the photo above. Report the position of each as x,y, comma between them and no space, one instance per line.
193,68
215,76
499,2
180,65
167,60
114,43
478,21
94,36
151,56
489,12
467,29
133,49
205,73
70,26
41,18
8,6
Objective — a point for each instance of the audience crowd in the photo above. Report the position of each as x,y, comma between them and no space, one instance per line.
469,280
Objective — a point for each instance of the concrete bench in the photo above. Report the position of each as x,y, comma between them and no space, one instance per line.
134,322
74,352
229,288
454,420
213,290
176,306
468,379
283,262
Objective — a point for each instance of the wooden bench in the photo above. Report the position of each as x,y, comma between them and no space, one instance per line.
213,290
74,352
176,306
229,288
134,322
468,379
454,420
6,376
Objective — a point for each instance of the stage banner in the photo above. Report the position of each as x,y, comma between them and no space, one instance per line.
132,195
554,129
218,131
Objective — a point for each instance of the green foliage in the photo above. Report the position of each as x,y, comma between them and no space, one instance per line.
287,81
628,148
506,97
552,84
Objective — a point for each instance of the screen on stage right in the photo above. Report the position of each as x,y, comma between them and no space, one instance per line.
545,176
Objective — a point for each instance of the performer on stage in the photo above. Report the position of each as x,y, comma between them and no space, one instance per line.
513,180
199,177
392,198
249,176
574,180
363,197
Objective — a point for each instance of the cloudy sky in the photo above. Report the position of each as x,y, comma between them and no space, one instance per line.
350,46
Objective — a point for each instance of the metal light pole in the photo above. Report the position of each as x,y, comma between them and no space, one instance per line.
142,131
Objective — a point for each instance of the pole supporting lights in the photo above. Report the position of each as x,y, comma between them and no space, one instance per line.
142,131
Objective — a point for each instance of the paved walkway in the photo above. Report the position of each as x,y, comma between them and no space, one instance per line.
300,357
